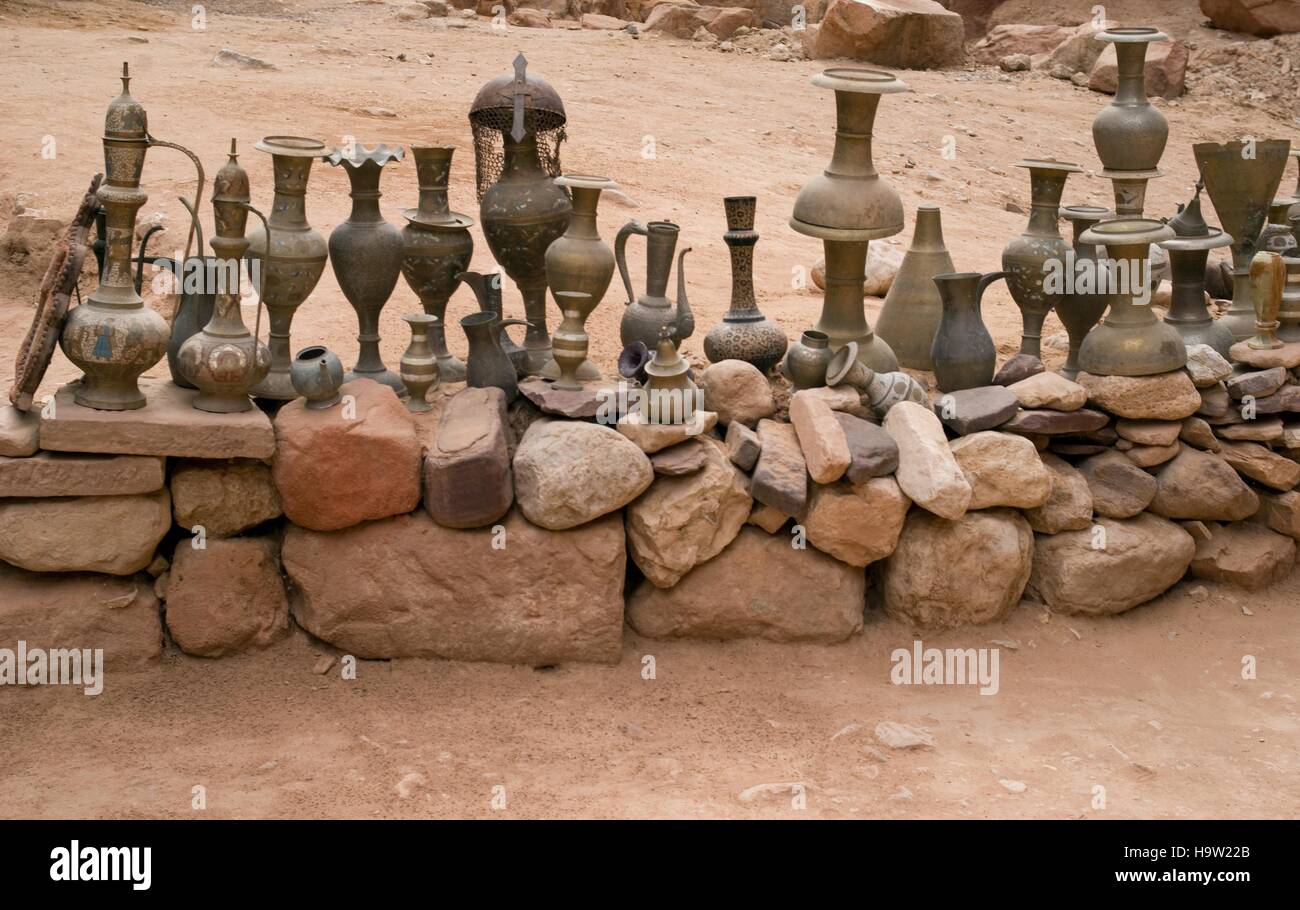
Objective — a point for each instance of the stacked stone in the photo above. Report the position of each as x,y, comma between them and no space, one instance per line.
90,501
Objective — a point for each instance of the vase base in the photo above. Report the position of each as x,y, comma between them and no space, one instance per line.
586,371
384,377
275,387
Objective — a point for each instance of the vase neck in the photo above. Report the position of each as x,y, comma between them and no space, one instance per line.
1045,188
855,115
928,235
582,221
364,191
1130,80
521,160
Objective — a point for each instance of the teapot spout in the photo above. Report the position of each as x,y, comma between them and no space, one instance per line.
685,318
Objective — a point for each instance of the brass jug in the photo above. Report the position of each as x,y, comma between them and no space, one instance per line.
647,314
487,365
487,291
963,353
1131,340
913,308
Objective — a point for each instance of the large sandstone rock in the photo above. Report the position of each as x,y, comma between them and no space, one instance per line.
1167,396
1068,506
1201,486
856,523
907,34
225,497
81,611
116,535
821,438
780,477
1120,489
1264,18
800,595
655,437
1051,391
467,479
405,587
1281,512
1244,553
681,522
1262,464
568,473
1002,470
737,390
19,432
350,463
1128,563
226,597
951,573
1165,70
1015,38
927,471
68,474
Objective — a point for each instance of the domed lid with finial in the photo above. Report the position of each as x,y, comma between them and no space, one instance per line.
667,362
1189,221
126,117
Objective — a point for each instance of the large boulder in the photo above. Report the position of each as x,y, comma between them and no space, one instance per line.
1003,470
1165,70
1244,553
1068,506
1077,53
1201,486
907,34
81,610
799,595
1120,489
927,471
224,497
226,597
1166,396
116,535
821,438
568,473
467,479
1128,563
405,587
357,461
1264,18
737,390
681,522
856,523
951,573
1015,38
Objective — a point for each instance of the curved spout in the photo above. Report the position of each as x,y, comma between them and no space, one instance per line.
685,318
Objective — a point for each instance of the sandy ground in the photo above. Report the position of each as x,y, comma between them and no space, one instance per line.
1150,706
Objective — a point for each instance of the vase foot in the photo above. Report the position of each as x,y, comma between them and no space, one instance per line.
384,377
275,387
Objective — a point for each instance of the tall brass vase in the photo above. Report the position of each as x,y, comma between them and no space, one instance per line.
744,332
1083,305
1024,259
580,262
848,205
913,306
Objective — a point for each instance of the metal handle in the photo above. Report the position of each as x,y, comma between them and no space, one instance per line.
620,253
984,282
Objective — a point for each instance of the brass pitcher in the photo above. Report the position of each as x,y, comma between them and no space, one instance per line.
647,314
487,365
487,291
1028,257
1130,133
1131,340
1242,182
848,205
963,353
913,307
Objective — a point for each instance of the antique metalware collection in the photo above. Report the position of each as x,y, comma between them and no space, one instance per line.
541,227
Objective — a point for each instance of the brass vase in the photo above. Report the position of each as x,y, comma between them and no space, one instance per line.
913,308
848,205
744,332
224,360
1188,253
113,337
1289,314
880,390
1028,258
298,255
1083,305
419,362
1131,340
647,314
1130,133
580,262
1242,182
437,246
570,340
962,352
1267,275
366,255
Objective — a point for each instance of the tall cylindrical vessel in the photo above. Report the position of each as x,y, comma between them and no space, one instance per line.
913,306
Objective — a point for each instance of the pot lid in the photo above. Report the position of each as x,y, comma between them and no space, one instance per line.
1086,213
1212,240
126,117
859,79
293,147
1131,35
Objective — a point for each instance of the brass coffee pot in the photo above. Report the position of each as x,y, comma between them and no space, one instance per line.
847,206
913,307
646,315
1131,340
1188,253
1242,180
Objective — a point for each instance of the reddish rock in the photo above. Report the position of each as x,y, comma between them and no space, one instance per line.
907,34
1165,70
226,597
355,462
1264,18
467,477
1015,38
1246,554
67,474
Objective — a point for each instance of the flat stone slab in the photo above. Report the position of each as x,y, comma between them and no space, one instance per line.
1288,355
168,425
975,410
19,432
576,404
683,459
1056,423
65,474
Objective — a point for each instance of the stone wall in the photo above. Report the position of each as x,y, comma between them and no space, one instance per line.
481,531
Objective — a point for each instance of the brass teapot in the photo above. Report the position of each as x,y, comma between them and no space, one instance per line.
647,314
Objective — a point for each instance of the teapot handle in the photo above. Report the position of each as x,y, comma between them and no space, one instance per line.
503,323
620,253
984,282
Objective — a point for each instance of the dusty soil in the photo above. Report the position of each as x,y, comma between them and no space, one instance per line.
1150,705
